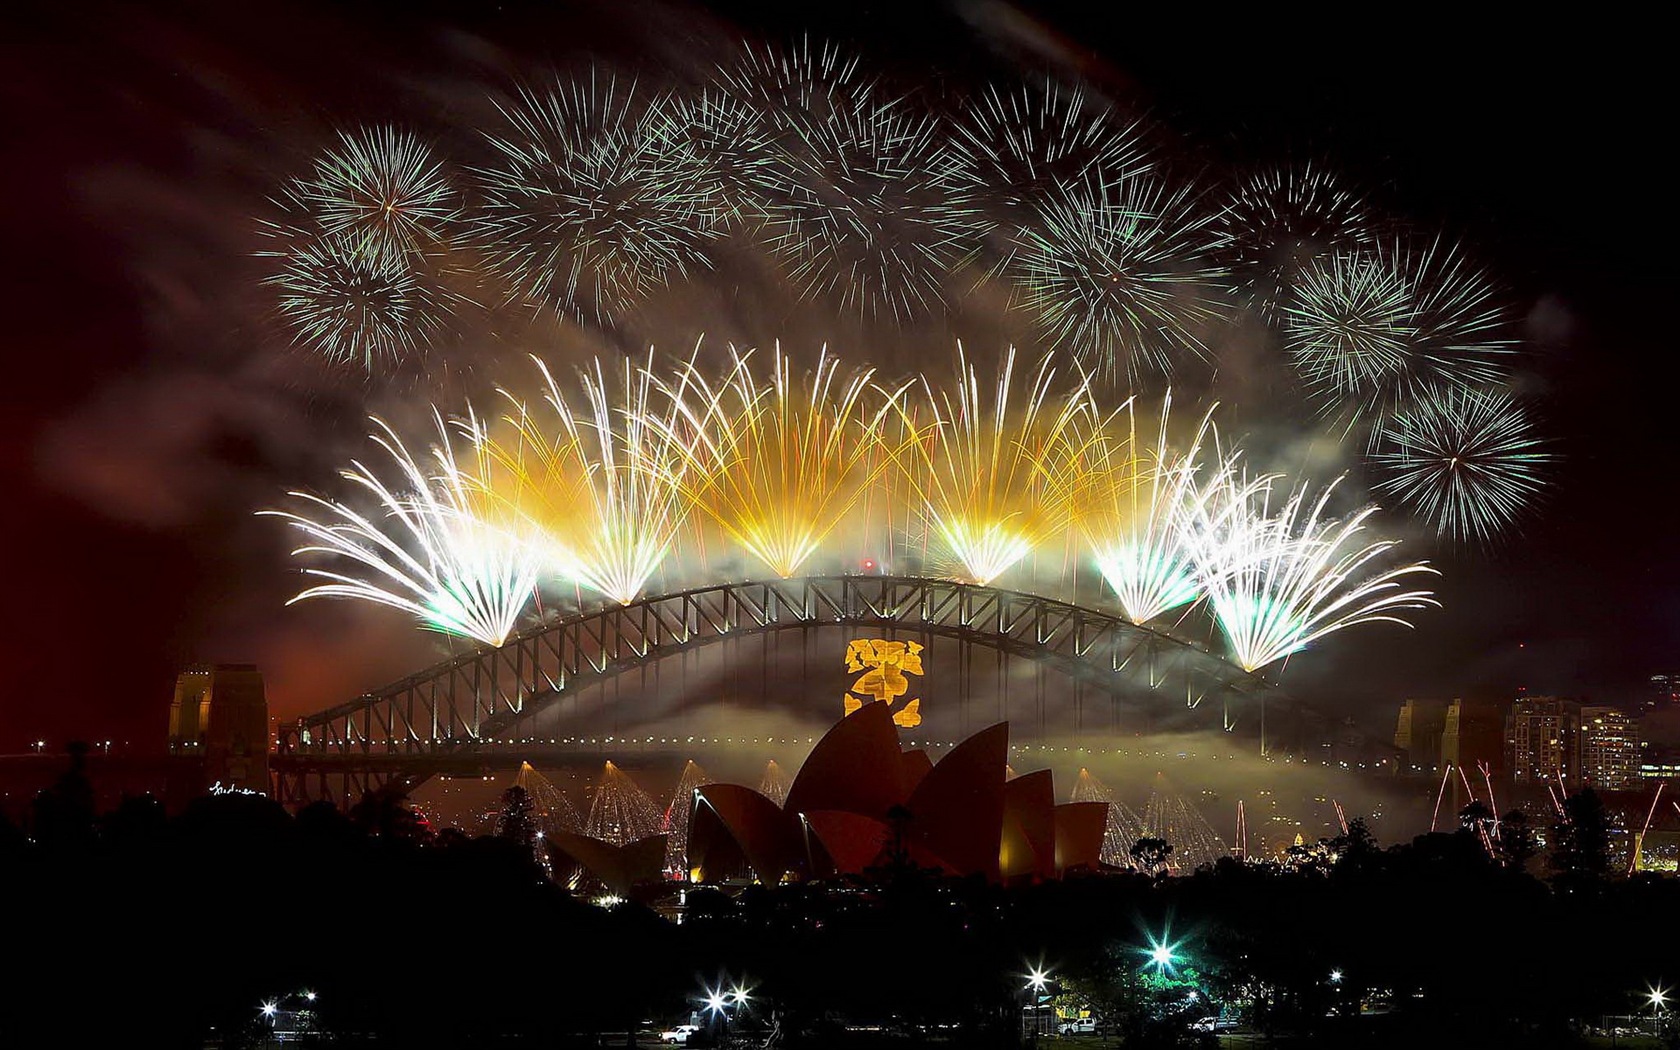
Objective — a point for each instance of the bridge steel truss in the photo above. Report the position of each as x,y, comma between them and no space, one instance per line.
440,717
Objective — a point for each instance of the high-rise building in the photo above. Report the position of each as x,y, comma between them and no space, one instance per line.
1472,733
1418,731
1664,690
1544,740
1610,752
221,714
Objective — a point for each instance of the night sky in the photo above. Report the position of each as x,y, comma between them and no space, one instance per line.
150,410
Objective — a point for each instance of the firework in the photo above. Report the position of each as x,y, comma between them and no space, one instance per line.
777,463
621,812
724,152
1467,461
358,303
1116,272
678,814
1027,140
1124,827
1370,331
774,785
1134,523
432,552
787,86
382,189
554,811
996,480
867,203
1277,220
1278,582
588,206
597,488
1170,816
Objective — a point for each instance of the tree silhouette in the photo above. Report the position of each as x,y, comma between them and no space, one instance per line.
1582,853
64,813
384,813
1517,843
1151,854
517,822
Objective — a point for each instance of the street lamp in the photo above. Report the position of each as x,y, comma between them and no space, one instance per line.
1038,982
1162,955
1658,998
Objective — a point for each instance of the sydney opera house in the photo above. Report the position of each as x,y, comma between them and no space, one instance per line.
862,802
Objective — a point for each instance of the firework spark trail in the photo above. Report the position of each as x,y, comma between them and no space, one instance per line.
996,480
1465,779
1027,139
1493,806
1024,141
1119,274
1467,461
553,809
1446,774
598,488
590,205
866,201
1633,854
382,189
621,812
1175,818
1275,221
1123,826
1133,524
357,302
774,785
724,153
1278,582
678,815
1373,330
434,554
775,462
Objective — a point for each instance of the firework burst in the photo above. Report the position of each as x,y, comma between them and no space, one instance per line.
1468,462
1371,330
867,203
431,551
1117,273
1026,141
996,480
724,151
1278,582
382,189
1133,523
597,488
1277,220
589,205
354,302
778,463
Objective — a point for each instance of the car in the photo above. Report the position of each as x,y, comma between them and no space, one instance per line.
1078,1026
1214,1024
678,1035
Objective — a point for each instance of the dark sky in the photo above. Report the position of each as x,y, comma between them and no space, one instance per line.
149,414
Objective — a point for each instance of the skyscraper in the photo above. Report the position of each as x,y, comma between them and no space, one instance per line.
1610,752
1544,740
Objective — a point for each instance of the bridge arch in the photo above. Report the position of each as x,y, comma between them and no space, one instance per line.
458,707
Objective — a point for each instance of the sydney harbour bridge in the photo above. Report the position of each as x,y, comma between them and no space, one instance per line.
558,691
